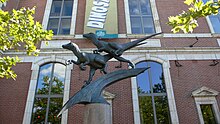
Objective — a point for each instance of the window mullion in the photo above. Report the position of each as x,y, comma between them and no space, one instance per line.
141,17
152,96
59,23
48,101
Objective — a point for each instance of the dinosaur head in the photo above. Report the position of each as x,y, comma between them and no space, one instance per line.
71,46
89,35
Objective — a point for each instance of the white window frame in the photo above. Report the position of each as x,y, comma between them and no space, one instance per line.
47,15
169,89
154,13
206,95
33,84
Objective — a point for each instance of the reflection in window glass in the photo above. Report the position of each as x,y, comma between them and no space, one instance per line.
215,20
65,26
146,110
141,17
54,109
56,8
136,25
60,16
53,25
67,8
207,113
162,109
153,101
143,79
49,94
39,110
43,79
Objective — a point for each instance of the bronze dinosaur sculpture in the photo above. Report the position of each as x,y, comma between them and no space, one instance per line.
95,61
116,49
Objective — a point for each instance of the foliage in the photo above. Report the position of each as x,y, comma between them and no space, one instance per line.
2,1
17,30
40,104
187,20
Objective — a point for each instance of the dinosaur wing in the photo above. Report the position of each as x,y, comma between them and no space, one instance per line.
92,92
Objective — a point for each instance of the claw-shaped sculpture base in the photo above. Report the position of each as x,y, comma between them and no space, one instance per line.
92,92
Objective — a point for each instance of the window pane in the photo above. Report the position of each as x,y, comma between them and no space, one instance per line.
54,109
53,25
56,7
157,78
67,8
39,111
133,7
215,20
136,26
44,79
58,79
145,7
146,110
207,113
148,25
143,79
65,26
162,110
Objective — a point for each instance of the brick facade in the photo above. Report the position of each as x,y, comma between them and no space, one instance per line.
13,95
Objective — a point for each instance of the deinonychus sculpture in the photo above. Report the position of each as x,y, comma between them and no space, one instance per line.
91,91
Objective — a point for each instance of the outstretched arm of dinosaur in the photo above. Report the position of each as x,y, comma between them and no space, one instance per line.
83,65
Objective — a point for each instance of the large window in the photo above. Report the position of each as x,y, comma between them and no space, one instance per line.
60,16
215,20
141,17
153,103
49,94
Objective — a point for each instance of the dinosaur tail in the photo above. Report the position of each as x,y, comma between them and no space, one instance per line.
137,42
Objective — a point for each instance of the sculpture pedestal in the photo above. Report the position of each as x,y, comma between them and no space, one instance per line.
97,114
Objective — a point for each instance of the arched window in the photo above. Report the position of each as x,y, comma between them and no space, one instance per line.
153,103
49,94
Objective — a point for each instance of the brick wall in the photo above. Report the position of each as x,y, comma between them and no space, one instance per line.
122,104
40,7
13,95
168,8
188,78
186,42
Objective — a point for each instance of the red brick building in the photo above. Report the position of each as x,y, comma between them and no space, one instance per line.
182,85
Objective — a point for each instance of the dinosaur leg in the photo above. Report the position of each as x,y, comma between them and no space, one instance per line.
104,70
91,74
124,60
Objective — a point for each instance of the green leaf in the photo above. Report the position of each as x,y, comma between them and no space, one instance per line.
188,2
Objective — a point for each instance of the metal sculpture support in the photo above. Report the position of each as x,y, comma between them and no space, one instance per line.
91,92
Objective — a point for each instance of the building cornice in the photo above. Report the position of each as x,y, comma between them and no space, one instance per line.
134,36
